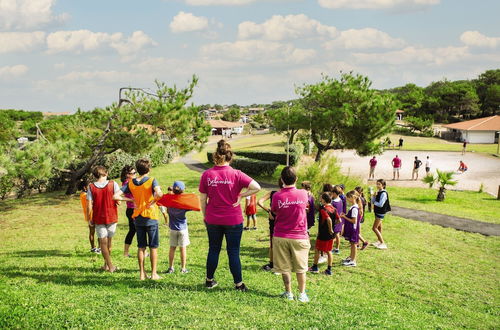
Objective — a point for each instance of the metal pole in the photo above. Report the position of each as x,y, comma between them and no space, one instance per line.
288,136
498,145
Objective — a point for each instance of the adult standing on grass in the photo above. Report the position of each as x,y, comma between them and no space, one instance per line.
416,166
428,164
373,164
146,192
291,242
127,174
400,145
396,166
220,195
381,206
102,209
464,147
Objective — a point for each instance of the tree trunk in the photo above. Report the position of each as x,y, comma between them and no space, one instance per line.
441,194
321,147
292,136
78,175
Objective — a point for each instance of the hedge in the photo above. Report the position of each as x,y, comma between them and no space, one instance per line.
252,167
279,157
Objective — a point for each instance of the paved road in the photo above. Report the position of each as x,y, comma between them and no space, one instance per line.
483,168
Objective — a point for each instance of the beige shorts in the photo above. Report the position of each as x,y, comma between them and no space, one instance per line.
179,238
290,255
395,169
106,230
372,170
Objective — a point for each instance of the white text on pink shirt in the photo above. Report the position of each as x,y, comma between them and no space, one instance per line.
287,203
216,181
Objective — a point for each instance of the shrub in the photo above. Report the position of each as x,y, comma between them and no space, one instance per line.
115,161
159,155
279,157
252,167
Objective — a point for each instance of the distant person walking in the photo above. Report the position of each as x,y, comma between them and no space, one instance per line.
428,164
396,166
220,195
416,166
373,164
400,145
464,147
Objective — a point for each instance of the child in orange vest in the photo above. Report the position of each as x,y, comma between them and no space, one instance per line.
146,192
251,211
83,186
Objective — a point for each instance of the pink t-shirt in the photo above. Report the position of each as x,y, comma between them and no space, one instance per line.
223,184
373,162
289,205
396,162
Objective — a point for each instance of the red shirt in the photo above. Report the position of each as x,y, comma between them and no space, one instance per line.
373,162
396,162
104,210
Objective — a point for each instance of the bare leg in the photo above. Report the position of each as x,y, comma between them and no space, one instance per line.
376,230
337,241
287,281
330,258
362,239
301,279
153,254
248,221
316,257
108,265
254,219
171,256
183,257
354,251
92,236
270,253
140,257
126,250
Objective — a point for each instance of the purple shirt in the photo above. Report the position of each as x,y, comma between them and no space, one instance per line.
339,206
289,205
223,184
130,205
373,162
310,213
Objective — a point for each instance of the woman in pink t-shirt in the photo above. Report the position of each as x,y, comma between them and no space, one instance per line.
220,194
290,240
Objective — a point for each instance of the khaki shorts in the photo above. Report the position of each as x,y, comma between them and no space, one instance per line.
372,170
179,238
290,255
104,231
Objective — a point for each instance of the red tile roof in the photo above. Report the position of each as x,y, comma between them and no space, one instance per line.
481,124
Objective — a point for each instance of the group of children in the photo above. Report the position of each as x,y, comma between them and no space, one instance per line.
339,214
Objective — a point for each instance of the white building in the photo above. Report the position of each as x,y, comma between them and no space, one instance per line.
482,130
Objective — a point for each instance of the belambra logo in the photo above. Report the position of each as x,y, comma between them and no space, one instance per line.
216,181
286,203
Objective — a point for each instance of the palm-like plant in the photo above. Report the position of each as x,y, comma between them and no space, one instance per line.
444,179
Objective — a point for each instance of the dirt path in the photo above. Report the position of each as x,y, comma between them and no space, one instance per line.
482,168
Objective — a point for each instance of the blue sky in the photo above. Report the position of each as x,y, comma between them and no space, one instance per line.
60,55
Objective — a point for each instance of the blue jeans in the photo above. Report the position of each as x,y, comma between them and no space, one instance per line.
233,238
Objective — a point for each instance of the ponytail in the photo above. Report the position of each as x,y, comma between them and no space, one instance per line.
357,199
223,154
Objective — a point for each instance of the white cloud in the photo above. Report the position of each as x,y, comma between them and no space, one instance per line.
414,55
285,27
21,41
84,40
219,2
13,71
187,22
477,39
258,51
376,4
27,14
106,76
364,38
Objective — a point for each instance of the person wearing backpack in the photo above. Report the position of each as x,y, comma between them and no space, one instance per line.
416,165
381,205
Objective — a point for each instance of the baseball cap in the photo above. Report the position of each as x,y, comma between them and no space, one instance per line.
179,184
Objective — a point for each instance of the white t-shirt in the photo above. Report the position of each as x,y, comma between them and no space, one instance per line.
428,163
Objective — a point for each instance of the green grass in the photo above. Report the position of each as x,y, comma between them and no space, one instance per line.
434,144
48,279
465,204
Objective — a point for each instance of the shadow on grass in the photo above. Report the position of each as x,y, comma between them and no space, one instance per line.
43,199
419,200
43,253
92,277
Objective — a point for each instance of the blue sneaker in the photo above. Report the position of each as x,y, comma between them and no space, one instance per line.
314,269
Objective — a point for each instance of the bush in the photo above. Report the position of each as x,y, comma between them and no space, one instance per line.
160,155
115,161
252,167
279,157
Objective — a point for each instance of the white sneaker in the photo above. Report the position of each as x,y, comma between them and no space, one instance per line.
350,263
322,259
346,260
303,297
382,246
287,295
376,244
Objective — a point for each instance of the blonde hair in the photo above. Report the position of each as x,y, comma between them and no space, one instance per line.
223,154
357,199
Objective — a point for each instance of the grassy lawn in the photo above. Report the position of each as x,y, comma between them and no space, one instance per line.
465,204
262,142
430,277
435,144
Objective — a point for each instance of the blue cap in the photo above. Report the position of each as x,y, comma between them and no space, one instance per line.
179,184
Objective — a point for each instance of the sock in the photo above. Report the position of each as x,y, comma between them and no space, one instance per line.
329,267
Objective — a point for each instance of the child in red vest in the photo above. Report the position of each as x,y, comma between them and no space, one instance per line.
102,209
83,186
251,211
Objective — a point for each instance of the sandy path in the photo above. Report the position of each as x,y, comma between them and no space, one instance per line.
482,168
